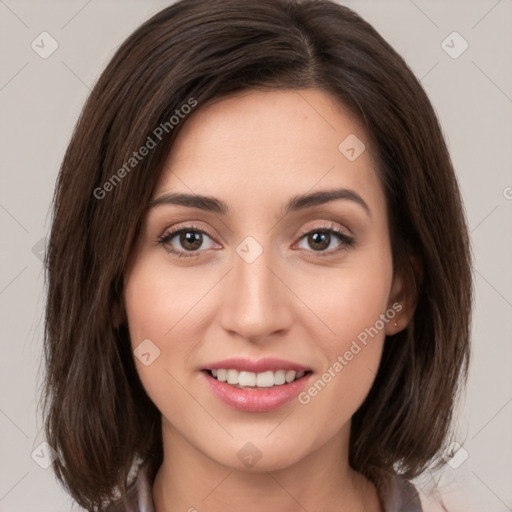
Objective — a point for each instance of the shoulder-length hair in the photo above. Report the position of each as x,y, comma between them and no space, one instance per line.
97,415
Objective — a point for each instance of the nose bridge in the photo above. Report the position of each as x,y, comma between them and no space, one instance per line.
256,303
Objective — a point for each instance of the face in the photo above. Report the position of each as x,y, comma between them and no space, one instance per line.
285,288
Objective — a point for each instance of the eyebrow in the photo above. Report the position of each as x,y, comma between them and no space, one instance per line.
296,203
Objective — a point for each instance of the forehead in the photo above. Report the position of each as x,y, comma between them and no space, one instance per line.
258,148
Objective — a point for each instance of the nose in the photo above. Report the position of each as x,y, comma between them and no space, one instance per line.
256,302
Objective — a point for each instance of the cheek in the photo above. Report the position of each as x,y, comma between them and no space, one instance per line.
344,302
147,297
162,301
352,304
160,311
351,358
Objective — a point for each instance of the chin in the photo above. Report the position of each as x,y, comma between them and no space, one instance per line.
259,453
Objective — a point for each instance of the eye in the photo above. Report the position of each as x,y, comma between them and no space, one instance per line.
190,239
327,240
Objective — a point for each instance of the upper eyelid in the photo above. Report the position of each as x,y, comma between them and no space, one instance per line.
327,225
175,231
170,234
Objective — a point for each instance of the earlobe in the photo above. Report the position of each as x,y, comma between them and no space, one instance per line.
403,296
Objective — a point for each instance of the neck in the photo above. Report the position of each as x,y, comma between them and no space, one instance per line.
189,480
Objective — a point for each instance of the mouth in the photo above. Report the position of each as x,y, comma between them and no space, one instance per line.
251,380
256,386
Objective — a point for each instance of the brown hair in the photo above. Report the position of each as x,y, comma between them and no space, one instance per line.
97,414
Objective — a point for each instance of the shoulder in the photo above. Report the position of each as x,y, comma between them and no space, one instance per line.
400,495
139,496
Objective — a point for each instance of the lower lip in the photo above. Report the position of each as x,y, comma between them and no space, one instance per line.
256,400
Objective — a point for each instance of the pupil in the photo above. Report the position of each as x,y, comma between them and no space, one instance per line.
321,238
191,240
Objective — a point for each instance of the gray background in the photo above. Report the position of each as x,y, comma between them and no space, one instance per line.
40,100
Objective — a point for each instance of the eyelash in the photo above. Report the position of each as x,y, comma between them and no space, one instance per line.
346,240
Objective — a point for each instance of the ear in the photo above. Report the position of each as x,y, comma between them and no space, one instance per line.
404,294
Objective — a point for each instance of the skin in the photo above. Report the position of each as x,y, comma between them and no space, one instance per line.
254,151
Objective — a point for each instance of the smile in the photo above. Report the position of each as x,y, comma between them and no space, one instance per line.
255,386
266,379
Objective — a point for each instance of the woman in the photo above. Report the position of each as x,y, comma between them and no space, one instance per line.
259,285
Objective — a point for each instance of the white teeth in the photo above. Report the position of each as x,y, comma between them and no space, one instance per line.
290,376
233,377
279,377
247,379
261,380
265,379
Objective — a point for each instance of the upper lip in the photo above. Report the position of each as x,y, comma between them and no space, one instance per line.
255,366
